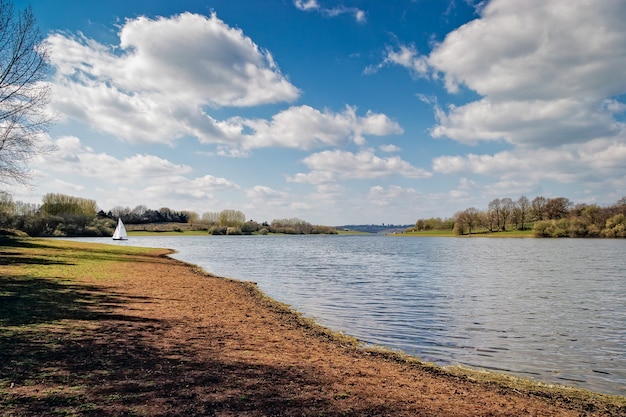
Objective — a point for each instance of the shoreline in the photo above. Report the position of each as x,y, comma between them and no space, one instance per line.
175,340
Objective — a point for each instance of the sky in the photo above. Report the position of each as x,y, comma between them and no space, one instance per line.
333,111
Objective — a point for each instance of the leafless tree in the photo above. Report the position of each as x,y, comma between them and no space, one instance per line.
506,210
495,207
538,208
24,94
468,218
523,205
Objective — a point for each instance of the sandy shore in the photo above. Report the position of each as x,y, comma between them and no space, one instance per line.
157,337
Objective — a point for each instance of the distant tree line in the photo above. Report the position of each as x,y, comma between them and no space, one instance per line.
63,215
143,215
547,217
58,215
233,222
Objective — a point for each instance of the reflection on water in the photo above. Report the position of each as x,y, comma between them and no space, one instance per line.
552,310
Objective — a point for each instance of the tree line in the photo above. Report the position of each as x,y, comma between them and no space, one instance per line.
62,215
546,217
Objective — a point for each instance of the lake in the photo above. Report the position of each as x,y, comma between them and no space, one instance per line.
552,310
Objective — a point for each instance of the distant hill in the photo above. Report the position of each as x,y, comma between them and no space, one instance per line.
375,228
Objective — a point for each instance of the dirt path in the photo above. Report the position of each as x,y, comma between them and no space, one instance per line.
160,338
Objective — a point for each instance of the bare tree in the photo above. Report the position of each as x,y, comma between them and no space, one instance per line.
495,207
557,208
506,209
23,92
538,208
468,218
523,205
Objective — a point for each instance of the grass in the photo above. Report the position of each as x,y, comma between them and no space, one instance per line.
47,316
478,233
168,233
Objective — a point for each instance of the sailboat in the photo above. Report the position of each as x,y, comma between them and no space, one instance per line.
120,231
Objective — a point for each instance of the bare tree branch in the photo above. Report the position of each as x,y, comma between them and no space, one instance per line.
24,94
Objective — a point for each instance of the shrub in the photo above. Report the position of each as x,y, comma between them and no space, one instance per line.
615,226
551,228
217,230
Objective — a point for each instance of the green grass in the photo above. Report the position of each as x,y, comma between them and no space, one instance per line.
168,233
48,320
477,233
436,233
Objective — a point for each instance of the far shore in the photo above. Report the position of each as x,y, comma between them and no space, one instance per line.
105,330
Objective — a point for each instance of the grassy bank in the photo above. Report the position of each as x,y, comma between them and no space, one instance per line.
479,233
104,330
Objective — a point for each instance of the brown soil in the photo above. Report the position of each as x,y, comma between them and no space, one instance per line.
169,340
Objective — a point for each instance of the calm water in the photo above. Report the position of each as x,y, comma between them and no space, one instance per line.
550,310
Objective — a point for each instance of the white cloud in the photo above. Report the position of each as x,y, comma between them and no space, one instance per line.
593,162
408,57
380,196
537,122
154,181
538,50
339,164
73,157
167,74
305,127
162,74
264,193
390,148
548,72
313,177
312,5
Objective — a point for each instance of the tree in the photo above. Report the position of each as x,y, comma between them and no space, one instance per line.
192,216
506,209
7,207
523,205
211,217
538,208
469,218
494,214
62,204
23,92
557,208
231,218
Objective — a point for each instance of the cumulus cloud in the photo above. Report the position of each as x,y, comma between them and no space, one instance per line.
406,56
380,196
549,73
312,5
143,177
73,157
526,123
337,164
390,148
167,75
305,127
163,73
603,159
264,193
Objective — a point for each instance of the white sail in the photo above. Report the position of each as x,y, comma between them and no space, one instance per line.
120,231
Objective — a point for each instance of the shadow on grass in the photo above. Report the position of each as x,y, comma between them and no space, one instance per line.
64,350
117,370
30,301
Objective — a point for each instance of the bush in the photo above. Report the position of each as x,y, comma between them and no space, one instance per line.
217,230
615,226
551,228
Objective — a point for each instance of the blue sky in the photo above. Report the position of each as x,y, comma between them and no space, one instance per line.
335,112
